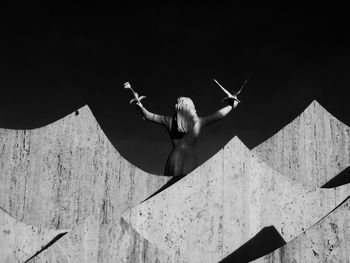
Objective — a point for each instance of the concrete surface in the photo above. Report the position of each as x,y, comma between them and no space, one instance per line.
226,201
57,176
327,241
82,245
312,149
67,175
19,242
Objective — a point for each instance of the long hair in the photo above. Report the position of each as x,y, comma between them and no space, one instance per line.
186,115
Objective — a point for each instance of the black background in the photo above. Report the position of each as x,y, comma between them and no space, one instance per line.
57,57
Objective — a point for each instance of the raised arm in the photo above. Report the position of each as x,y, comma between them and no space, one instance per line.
152,117
149,116
220,114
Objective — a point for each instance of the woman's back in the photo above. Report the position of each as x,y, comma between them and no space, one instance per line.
184,128
182,159
183,139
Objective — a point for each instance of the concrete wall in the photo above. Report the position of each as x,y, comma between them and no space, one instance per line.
326,241
222,204
57,176
67,175
83,244
19,242
312,149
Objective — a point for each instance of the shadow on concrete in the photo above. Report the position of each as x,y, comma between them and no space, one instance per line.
2,209
266,241
47,245
345,200
168,184
342,178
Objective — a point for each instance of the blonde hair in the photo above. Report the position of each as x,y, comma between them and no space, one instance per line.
186,115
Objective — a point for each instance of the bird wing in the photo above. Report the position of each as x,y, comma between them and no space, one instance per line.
228,93
142,97
131,101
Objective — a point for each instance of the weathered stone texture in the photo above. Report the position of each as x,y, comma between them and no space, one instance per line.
222,204
326,241
312,149
56,176
83,245
67,175
19,242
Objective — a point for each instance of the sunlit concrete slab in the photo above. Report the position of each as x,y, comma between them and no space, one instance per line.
67,175
81,244
264,242
326,241
19,242
312,149
58,175
226,201
84,245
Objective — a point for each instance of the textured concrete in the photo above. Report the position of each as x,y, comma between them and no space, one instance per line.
19,242
312,149
226,201
326,241
67,175
81,245
57,176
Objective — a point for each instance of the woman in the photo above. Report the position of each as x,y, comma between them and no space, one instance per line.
184,128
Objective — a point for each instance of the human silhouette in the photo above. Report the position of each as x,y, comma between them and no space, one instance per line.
184,128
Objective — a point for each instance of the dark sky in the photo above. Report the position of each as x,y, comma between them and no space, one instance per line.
58,57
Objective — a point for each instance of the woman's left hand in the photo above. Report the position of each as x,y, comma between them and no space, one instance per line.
232,101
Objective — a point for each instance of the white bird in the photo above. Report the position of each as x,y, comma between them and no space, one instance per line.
229,95
136,98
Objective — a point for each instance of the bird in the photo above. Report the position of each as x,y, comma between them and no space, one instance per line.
136,98
229,95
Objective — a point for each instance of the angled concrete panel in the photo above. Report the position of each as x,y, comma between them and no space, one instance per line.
222,204
58,175
312,149
19,242
83,245
80,245
327,241
67,175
